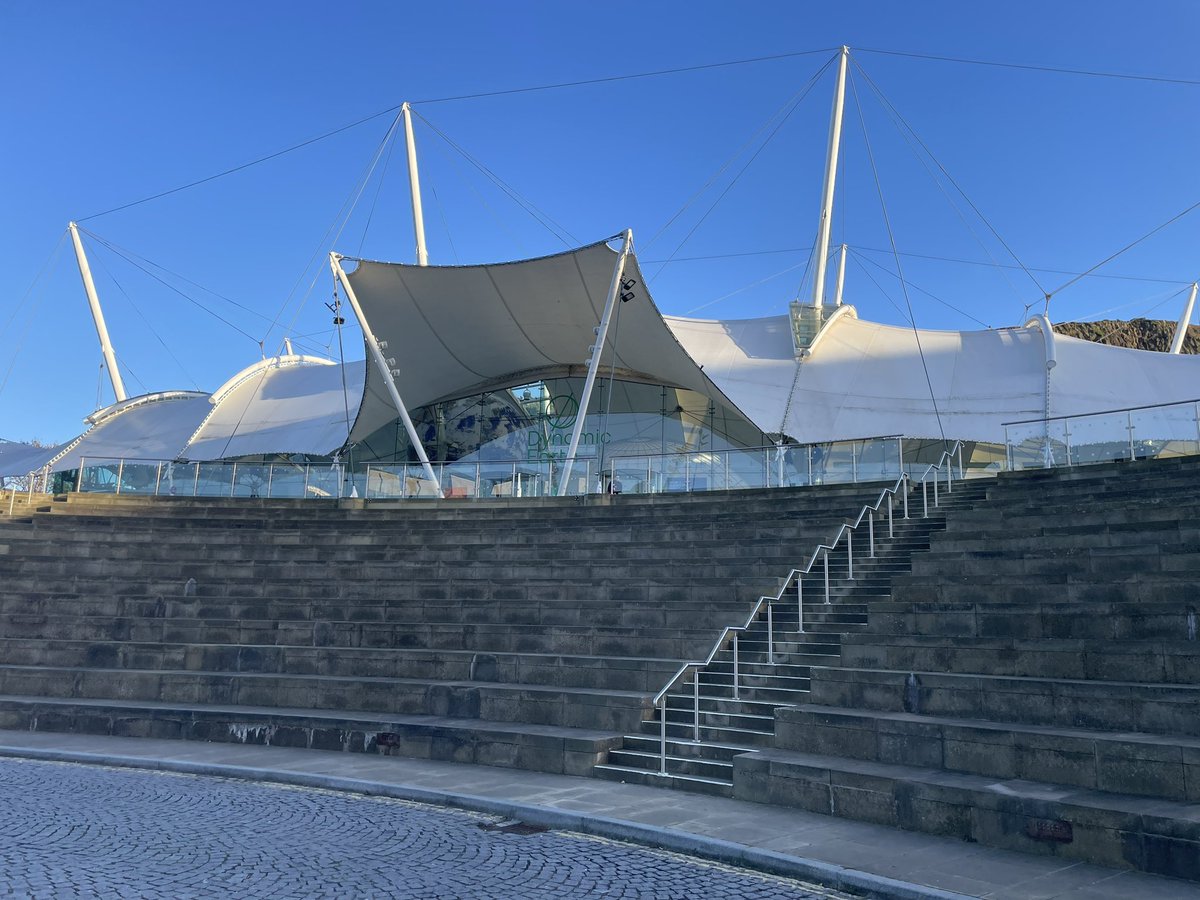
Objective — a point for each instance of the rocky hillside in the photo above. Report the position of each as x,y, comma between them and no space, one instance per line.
1141,334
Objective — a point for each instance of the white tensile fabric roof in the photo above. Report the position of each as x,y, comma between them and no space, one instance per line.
290,404
150,427
455,330
864,379
282,405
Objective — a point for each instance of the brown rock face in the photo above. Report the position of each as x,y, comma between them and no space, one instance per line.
1140,334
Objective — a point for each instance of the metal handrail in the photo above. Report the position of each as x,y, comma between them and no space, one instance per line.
822,551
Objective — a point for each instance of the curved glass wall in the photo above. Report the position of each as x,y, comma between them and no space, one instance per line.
532,423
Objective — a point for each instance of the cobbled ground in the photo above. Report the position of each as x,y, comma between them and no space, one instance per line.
72,830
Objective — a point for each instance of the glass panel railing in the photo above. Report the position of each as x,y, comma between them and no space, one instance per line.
1171,429
788,465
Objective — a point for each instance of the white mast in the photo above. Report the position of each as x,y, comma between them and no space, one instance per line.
110,359
1182,327
414,185
841,278
385,369
831,162
594,363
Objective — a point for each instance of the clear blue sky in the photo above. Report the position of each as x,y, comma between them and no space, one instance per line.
104,104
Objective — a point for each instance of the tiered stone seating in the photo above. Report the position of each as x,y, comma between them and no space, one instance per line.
1033,684
525,634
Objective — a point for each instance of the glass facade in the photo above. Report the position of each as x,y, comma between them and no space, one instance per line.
532,423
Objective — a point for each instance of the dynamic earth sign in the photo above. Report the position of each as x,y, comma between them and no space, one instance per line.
552,439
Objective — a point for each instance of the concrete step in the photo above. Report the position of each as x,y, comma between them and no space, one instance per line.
1101,659
536,704
540,748
1119,762
1071,703
1075,824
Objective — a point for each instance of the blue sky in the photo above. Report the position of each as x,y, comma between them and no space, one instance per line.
105,104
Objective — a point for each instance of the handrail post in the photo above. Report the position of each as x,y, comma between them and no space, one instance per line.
662,733
196,480
304,490
121,472
891,530
949,475
925,498
233,482
961,473
737,692
800,601
696,706
871,531
905,495
157,477
850,553
271,479
79,475
770,635
935,487
826,553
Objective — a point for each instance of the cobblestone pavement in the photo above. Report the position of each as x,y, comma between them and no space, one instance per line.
73,830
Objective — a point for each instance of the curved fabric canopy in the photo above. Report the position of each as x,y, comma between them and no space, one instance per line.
455,330
865,379
152,427
286,404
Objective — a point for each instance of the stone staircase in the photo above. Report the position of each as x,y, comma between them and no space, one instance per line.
701,748
1032,684
516,633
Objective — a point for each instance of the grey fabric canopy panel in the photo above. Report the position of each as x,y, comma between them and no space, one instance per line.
456,330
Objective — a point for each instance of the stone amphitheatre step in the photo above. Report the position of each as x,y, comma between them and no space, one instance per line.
1120,762
523,637
542,748
625,673
1119,830
1099,659
522,702
1175,620
1060,702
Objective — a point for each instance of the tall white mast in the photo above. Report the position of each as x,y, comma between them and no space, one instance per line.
1181,328
414,185
85,271
831,162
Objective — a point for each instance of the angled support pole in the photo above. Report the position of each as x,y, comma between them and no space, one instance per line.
594,363
335,263
1182,327
85,271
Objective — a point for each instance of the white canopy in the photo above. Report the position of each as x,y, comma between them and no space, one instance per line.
864,379
285,404
463,329
151,427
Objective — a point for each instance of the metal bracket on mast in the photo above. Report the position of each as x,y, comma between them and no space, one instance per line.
85,271
594,363
335,263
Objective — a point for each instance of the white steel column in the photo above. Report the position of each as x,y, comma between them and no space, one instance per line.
1181,328
335,262
110,359
841,278
831,162
594,362
414,185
